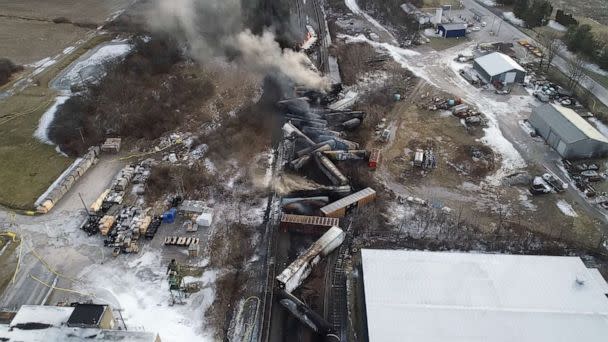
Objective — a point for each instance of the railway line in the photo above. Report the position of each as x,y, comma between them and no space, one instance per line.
272,317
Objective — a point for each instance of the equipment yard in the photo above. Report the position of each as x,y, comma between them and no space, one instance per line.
190,178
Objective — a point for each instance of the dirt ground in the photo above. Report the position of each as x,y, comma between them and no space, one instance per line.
28,41
460,180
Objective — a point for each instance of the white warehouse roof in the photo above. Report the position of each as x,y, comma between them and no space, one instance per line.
497,63
442,296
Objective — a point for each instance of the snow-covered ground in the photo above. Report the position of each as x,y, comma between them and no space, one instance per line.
42,64
47,118
600,126
142,293
354,7
557,26
440,70
90,65
566,208
510,17
490,3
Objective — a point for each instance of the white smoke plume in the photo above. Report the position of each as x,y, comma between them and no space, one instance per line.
214,28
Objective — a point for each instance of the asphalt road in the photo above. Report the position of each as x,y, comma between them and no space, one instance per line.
510,32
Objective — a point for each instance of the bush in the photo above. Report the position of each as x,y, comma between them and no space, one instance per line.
61,20
142,96
7,68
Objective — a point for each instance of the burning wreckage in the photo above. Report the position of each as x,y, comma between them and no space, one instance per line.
315,141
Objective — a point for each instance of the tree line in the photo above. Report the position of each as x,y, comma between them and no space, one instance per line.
534,13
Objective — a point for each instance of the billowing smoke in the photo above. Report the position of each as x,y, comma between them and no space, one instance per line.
216,28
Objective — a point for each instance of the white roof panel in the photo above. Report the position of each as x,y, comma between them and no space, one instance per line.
431,296
497,63
51,315
599,279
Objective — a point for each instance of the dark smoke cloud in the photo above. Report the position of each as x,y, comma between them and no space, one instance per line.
243,32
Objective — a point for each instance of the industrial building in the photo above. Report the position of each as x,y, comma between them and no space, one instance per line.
452,30
568,133
81,322
443,296
498,67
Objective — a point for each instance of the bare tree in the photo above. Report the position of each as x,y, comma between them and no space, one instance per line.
551,47
576,70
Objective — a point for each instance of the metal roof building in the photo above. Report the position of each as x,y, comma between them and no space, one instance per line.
452,30
568,133
497,66
443,296
38,323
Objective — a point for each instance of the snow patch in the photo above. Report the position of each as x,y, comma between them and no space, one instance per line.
140,288
557,26
510,17
489,3
69,50
46,120
91,67
354,7
566,208
600,126
42,64
526,202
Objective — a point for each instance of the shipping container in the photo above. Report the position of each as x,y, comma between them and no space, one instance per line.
307,224
340,207
374,158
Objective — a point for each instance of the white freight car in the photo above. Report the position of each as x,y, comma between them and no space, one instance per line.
294,274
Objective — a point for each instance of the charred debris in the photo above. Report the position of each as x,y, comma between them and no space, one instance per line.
316,146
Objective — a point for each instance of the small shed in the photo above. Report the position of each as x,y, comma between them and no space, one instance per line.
568,133
497,66
452,30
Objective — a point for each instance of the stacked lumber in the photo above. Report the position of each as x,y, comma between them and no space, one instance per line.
105,224
99,201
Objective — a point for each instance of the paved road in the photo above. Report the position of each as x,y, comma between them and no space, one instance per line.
511,32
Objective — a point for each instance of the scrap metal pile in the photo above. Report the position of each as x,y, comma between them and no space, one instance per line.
317,138
584,175
122,225
469,116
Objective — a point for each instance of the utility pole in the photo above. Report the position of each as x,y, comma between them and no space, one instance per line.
84,205
499,26
81,135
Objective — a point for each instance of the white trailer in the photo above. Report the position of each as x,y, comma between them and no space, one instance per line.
294,274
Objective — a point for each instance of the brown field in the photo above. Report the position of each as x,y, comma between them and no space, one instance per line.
75,10
27,41
28,33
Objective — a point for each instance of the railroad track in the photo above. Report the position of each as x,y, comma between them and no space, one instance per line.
271,232
323,56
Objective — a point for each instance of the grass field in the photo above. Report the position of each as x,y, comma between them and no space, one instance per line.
28,167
